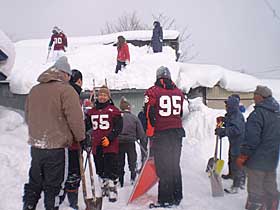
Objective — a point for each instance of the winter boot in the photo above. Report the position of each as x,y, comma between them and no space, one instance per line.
28,207
73,199
232,190
104,186
113,193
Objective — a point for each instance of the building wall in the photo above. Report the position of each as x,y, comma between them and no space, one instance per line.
216,96
17,101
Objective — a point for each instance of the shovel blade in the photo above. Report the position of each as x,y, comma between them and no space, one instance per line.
216,185
219,166
92,204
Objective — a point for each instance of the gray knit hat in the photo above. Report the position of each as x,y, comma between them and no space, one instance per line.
263,91
63,65
163,72
124,104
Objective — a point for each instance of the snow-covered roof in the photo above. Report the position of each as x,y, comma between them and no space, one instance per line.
96,60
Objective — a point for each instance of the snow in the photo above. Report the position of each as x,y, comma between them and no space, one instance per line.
97,61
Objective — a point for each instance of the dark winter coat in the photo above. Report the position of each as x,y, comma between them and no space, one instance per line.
234,129
132,128
53,112
157,38
262,136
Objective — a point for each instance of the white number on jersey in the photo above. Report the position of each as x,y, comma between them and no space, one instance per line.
58,40
100,121
169,105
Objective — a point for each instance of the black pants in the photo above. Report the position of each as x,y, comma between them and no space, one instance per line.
106,164
47,173
119,66
167,152
236,172
129,149
73,180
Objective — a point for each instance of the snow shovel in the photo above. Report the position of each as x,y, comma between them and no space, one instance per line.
94,203
146,180
214,167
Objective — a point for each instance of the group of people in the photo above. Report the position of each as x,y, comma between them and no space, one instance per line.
57,130
59,43
254,148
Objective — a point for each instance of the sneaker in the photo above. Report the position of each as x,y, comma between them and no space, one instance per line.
160,205
112,193
226,176
232,190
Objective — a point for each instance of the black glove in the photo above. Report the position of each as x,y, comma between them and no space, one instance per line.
86,144
221,132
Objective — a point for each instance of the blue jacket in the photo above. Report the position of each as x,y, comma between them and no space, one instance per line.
157,38
262,136
234,129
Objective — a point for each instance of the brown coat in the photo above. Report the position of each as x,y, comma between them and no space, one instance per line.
53,112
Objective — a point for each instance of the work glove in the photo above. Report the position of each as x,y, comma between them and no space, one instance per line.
86,144
220,119
105,141
221,132
241,160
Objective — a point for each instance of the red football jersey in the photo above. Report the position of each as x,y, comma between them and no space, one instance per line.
102,125
168,106
59,40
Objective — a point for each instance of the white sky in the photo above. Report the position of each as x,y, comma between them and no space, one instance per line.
239,35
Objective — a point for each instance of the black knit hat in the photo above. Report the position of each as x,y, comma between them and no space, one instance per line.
76,75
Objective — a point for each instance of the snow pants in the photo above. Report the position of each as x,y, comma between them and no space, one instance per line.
262,189
119,66
167,153
129,149
47,174
106,164
73,180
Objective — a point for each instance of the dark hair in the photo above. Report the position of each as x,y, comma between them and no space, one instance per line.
76,75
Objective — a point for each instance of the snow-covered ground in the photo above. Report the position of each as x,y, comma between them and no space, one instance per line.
97,61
